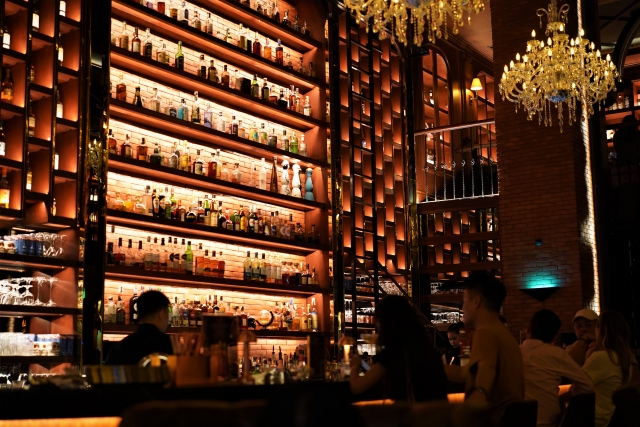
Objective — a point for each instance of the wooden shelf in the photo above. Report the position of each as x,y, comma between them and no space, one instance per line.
135,275
198,134
61,176
11,58
178,178
111,328
230,98
172,29
37,311
38,360
200,231
39,41
10,164
14,6
8,111
235,11
36,263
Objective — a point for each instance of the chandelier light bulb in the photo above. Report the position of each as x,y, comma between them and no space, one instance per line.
506,69
550,52
608,57
533,34
511,64
549,41
517,57
572,51
593,45
525,58
561,28
598,53
504,76
573,42
581,32
541,45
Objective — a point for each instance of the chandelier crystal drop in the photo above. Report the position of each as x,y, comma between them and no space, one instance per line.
424,15
559,70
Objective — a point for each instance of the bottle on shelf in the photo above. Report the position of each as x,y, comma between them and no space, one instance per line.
124,37
225,175
198,165
188,259
307,107
275,13
155,103
183,111
202,68
302,146
135,42
161,54
209,25
29,176
121,89
197,22
31,122
121,314
255,87
179,57
6,35
212,72
282,101
7,87
184,13
236,175
59,107
293,143
5,190
279,53
195,109
110,311
225,76
112,143
257,47
273,185
267,53
248,267
221,265
125,149
3,141
35,17
262,135
263,176
137,98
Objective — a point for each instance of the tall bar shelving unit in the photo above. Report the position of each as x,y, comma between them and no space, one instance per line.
370,130
54,52
130,174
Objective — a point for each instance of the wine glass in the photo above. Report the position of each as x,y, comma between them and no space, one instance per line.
37,301
52,280
27,297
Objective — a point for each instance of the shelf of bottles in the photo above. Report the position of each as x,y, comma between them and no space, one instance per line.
39,139
217,149
372,151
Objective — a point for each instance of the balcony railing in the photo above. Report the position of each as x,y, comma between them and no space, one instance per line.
461,161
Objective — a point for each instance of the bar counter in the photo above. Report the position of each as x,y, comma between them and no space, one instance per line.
112,400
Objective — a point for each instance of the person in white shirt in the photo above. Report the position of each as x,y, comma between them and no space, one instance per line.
610,363
545,367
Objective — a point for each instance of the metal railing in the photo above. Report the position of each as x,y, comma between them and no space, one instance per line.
460,161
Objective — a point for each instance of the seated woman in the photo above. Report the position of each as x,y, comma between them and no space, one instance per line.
610,363
407,366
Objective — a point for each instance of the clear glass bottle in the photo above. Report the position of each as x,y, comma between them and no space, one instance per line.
124,37
208,116
262,135
148,45
302,146
155,102
195,109
267,53
236,175
307,106
263,176
225,175
272,140
202,68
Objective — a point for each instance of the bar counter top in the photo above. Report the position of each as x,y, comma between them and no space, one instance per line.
111,400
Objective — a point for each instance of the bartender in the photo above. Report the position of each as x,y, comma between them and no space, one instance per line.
150,337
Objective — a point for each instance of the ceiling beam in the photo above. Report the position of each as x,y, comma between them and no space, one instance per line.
624,11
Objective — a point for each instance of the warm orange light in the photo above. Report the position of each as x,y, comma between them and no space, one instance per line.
476,85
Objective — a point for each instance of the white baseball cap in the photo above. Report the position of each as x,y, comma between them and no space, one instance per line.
587,313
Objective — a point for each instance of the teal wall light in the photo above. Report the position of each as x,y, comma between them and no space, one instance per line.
540,285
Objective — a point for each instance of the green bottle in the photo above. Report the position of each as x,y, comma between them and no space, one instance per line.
188,257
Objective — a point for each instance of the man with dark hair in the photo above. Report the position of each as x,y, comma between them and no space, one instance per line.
493,374
153,312
545,366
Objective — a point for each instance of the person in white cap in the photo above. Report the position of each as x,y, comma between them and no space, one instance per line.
584,325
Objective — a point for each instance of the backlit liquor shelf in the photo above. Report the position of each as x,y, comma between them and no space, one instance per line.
181,129
38,360
143,17
175,177
7,310
111,328
139,276
230,98
199,231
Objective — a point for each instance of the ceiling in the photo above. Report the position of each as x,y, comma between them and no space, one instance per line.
614,15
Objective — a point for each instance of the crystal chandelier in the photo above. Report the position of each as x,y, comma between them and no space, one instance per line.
395,15
562,70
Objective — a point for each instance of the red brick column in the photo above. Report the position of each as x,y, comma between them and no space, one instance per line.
544,189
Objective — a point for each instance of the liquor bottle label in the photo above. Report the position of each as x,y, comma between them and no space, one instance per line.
59,111
63,8
3,149
207,120
32,122
198,169
127,151
6,40
36,21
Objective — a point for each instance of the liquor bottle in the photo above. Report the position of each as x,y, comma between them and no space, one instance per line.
121,90
3,141
139,207
31,131
225,76
125,148
213,265
255,87
285,18
192,314
183,111
236,175
225,175
173,9
247,267
179,57
124,37
275,13
197,23
288,63
155,255
198,165
110,311
263,176
174,159
307,107
313,315
267,53
221,306
305,276
162,8
121,314
296,24
242,40
133,307
279,53
195,109
257,47
188,257
272,139
208,116
184,13
244,324
202,68
293,143
255,267
212,72
135,42
221,265
59,108
263,269
209,25
221,218
302,146
233,126
120,256
273,186
171,110
137,98
305,30
262,135
282,101
227,37
199,258
155,158
7,87
35,20
311,72
304,319
161,54
6,35
155,102
184,313
29,176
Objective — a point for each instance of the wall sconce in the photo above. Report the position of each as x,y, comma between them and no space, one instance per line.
475,87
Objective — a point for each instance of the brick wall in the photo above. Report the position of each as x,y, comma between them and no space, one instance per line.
545,189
